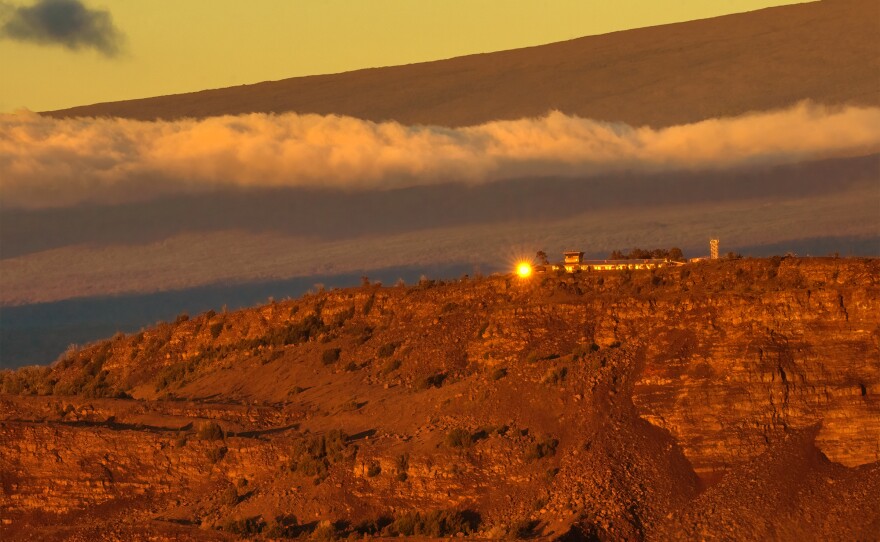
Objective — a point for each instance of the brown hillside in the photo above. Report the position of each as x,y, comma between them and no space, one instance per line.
825,51
721,400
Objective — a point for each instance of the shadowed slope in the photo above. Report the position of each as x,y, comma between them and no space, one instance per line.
825,51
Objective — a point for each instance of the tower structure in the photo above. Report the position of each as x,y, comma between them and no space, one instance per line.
713,249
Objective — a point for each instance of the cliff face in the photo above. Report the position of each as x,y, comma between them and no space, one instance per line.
728,373
614,405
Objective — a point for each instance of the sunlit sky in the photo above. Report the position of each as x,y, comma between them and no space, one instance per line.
172,46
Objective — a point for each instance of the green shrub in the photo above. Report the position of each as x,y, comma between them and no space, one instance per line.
215,329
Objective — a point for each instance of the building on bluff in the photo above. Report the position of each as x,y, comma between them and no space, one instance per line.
574,261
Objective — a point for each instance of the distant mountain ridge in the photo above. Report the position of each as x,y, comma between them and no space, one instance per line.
828,52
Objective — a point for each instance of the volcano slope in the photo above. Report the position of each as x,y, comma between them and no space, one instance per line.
733,399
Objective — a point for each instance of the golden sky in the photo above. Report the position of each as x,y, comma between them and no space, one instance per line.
172,46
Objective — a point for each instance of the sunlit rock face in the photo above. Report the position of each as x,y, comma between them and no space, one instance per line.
728,373
654,404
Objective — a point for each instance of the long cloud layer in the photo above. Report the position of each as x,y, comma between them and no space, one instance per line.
47,162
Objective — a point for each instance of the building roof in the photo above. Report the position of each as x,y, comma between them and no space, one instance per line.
624,262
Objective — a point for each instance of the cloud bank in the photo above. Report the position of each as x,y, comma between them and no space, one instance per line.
47,162
68,23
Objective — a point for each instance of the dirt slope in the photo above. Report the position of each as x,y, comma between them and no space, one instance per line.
825,51
730,399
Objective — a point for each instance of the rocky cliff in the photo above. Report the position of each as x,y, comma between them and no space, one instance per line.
725,399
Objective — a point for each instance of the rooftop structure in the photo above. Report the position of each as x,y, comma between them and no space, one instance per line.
573,257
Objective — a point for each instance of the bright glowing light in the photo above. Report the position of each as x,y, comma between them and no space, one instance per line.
524,269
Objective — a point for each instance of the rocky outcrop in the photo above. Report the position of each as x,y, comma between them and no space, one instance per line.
729,373
603,405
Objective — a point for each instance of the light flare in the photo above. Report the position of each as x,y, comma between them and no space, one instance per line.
524,269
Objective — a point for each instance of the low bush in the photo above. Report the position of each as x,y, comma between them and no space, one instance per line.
439,523
499,373
368,306
390,366
325,531
449,307
229,496
387,349
432,381
245,526
523,529
542,448
313,455
284,526
210,431
459,438
343,317
401,465
330,356
215,455
555,375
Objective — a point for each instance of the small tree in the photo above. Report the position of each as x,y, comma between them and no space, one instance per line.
541,257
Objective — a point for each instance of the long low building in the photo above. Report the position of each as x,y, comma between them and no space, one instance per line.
574,261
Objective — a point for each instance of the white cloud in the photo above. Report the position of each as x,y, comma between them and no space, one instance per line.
51,162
